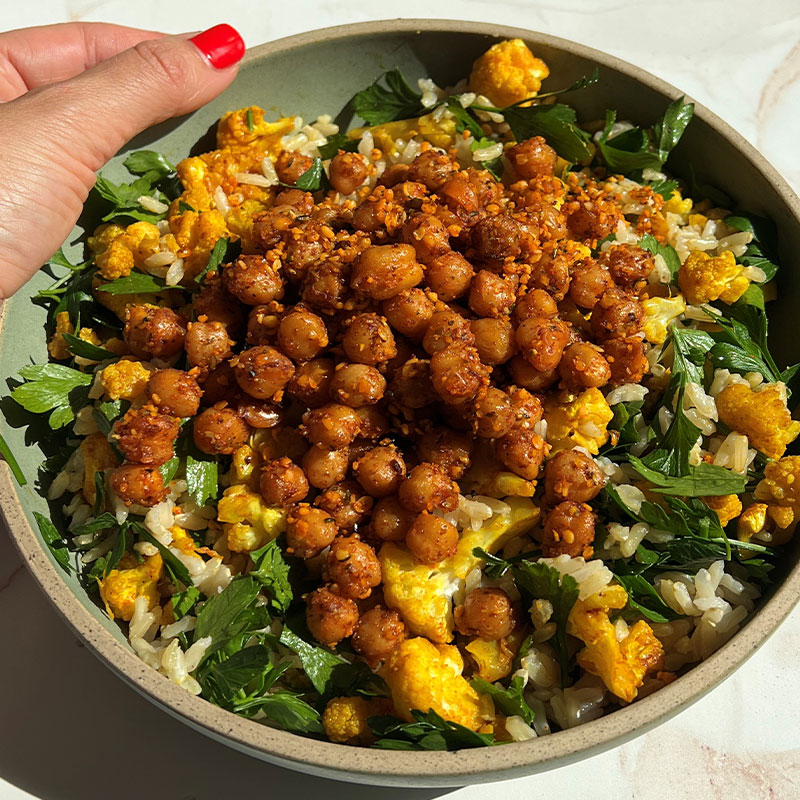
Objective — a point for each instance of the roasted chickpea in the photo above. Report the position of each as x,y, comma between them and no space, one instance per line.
552,275
291,165
262,371
330,617
357,385
583,366
174,392
153,332
428,486
533,158
394,174
145,436
568,530
380,471
390,520
497,239
207,344
262,325
311,382
523,452
346,503
432,539
302,334
309,531
347,172
589,281
492,414
589,221
325,286
219,430
431,168
137,484
461,197
490,295
457,374
368,339
282,482
446,448
449,275
411,386
523,374
487,613
572,475
527,408
384,271
253,280
374,423
616,315
542,341
352,568
378,633
325,467
628,263
219,385
536,303
445,328
626,359
409,313
495,339
332,425
259,414
217,304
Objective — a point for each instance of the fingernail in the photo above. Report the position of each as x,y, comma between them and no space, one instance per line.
221,45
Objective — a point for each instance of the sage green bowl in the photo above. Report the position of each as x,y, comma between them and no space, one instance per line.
316,73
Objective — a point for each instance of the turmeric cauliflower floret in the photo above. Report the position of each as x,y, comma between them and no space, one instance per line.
97,455
423,594
57,346
425,676
440,133
245,464
507,73
659,314
119,250
120,588
703,278
727,506
762,416
677,205
621,665
494,658
197,233
778,513
248,127
125,379
578,420
345,718
248,521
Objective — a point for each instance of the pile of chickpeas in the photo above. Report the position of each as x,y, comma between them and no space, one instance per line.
401,330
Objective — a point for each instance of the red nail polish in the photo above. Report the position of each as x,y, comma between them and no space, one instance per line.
221,45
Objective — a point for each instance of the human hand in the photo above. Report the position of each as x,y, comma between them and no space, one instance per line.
70,97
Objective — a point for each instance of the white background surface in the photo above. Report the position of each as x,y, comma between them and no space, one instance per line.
70,730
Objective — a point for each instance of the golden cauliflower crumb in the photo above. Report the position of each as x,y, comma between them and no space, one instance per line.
703,278
761,416
345,718
248,521
578,420
659,314
125,379
727,506
425,676
677,205
247,127
121,587
97,455
507,73
117,250
197,233
57,346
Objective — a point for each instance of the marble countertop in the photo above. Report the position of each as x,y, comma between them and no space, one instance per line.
72,731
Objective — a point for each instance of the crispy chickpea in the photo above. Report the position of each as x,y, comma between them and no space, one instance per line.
627,263
253,280
380,471
527,408
411,386
494,339
523,374
394,174
487,613
542,341
626,359
282,482
382,271
523,452
409,313
379,631
325,286
152,332
374,424
390,520
174,392
552,275
445,328
616,315
347,172
536,303
428,486
449,275
262,325
447,448
588,221
589,281
302,334
145,436
533,158
357,385
259,414
568,530
346,503
290,166
428,236
431,168
332,425
352,569
207,344
219,385
309,531
330,618
219,431
307,241
490,295
137,484
432,539
325,467
583,365
497,239
369,340
572,475
311,382
217,304
262,371
492,414
457,373
460,196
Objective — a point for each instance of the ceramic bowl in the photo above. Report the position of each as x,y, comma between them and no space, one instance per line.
316,73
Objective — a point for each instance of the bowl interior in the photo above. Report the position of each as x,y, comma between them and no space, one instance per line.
316,74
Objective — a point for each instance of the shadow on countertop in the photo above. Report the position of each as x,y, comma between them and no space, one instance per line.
71,730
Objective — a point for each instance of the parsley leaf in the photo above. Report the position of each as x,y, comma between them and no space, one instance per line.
511,701
142,162
643,597
54,541
464,119
312,178
218,255
335,143
83,349
169,469
221,616
201,476
287,709
667,131
703,480
671,455
117,551
106,414
318,663
429,731
174,566
582,83
556,123
184,602
135,283
397,100
272,572
54,388
13,465
667,252
665,188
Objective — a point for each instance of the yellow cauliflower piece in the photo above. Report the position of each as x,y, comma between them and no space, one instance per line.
677,205
240,222
97,455
423,594
248,521
780,489
727,506
245,464
753,520
57,346
121,250
703,278
345,718
762,416
248,127
125,379
578,420
494,658
425,676
183,541
440,133
622,665
197,233
659,314
120,588
507,73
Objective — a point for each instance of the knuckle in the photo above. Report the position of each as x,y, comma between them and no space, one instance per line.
166,64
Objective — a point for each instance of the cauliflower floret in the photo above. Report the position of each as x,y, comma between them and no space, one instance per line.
494,658
57,346
622,665
727,506
703,278
780,489
247,127
97,455
659,314
426,676
245,464
125,379
197,233
248,521
677,205
120,588
507,73
578,420
761,416
440,133
345,718
118,251
423,594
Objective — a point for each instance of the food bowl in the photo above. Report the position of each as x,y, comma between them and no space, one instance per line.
316,73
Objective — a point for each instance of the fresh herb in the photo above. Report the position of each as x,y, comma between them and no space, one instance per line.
175,567
667,252
556,123
83,349
52,538
703,480
222,617
494,165
287,709
104,522
135,283
582,83
201,476
667,131
54,388
218,255
272,572
335,143
429,731
690,347
665,188
13,465
124,197
627,416
250,119
99,492
378,104
148,162
58,259
117,550
106,414
465,121
643,597
671,455
183,602
312,178
184,207
510,701
318,663
169,469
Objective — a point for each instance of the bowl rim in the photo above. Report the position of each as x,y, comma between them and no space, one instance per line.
422,768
